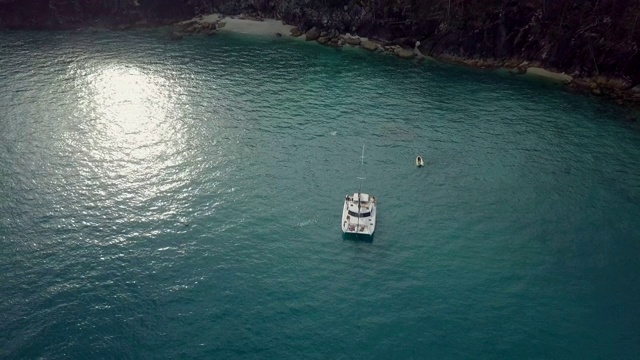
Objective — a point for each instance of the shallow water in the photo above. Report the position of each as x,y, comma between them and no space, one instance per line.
182,200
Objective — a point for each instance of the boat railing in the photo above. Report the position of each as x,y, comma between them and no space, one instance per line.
357,228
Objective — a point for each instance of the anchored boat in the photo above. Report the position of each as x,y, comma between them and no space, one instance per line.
359,214
359,211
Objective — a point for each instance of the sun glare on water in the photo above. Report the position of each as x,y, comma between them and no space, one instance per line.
135,131
132,104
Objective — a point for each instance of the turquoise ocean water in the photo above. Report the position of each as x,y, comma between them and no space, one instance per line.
182,200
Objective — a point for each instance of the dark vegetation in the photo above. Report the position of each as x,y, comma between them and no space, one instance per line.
585,38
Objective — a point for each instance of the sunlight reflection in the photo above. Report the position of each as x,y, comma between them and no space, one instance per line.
131,104
136,135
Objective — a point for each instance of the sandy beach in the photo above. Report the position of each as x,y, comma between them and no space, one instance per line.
247,26
537,71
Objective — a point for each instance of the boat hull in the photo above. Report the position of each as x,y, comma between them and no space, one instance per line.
357,237
359,215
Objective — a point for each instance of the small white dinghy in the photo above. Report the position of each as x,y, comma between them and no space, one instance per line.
419,161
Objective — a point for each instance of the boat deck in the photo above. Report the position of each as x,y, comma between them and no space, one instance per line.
359,214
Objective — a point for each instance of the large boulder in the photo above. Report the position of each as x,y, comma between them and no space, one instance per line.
391,48
369,45
404,53
194,29
295,32
185,25
581,84
353,41
313,34
426,46
323,40
600,80
617,83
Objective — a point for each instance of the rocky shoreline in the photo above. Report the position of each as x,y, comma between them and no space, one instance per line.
593,46
617,89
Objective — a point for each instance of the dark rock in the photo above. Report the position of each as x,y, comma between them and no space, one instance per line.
313,34
194,29
185,25
512,63
600,80
391,49
323,40
521,69
404,53
425,47
404,42
278,34
295,32
616,83
369,45
352,41
582,84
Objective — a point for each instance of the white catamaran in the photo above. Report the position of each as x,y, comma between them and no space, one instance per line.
359,211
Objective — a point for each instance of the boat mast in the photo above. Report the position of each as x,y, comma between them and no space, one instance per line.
361,177
360,188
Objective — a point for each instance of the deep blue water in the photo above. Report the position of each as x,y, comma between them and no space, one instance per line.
182,200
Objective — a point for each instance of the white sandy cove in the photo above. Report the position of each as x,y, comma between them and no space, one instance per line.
549,74
246,26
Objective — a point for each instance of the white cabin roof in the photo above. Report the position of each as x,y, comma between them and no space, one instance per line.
360,197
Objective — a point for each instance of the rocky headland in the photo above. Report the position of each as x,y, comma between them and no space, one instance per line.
591,45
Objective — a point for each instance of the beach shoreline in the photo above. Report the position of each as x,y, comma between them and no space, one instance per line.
616,89
520,37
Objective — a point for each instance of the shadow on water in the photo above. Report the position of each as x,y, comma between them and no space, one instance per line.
358,237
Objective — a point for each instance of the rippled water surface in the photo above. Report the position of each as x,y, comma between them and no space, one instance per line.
182,200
